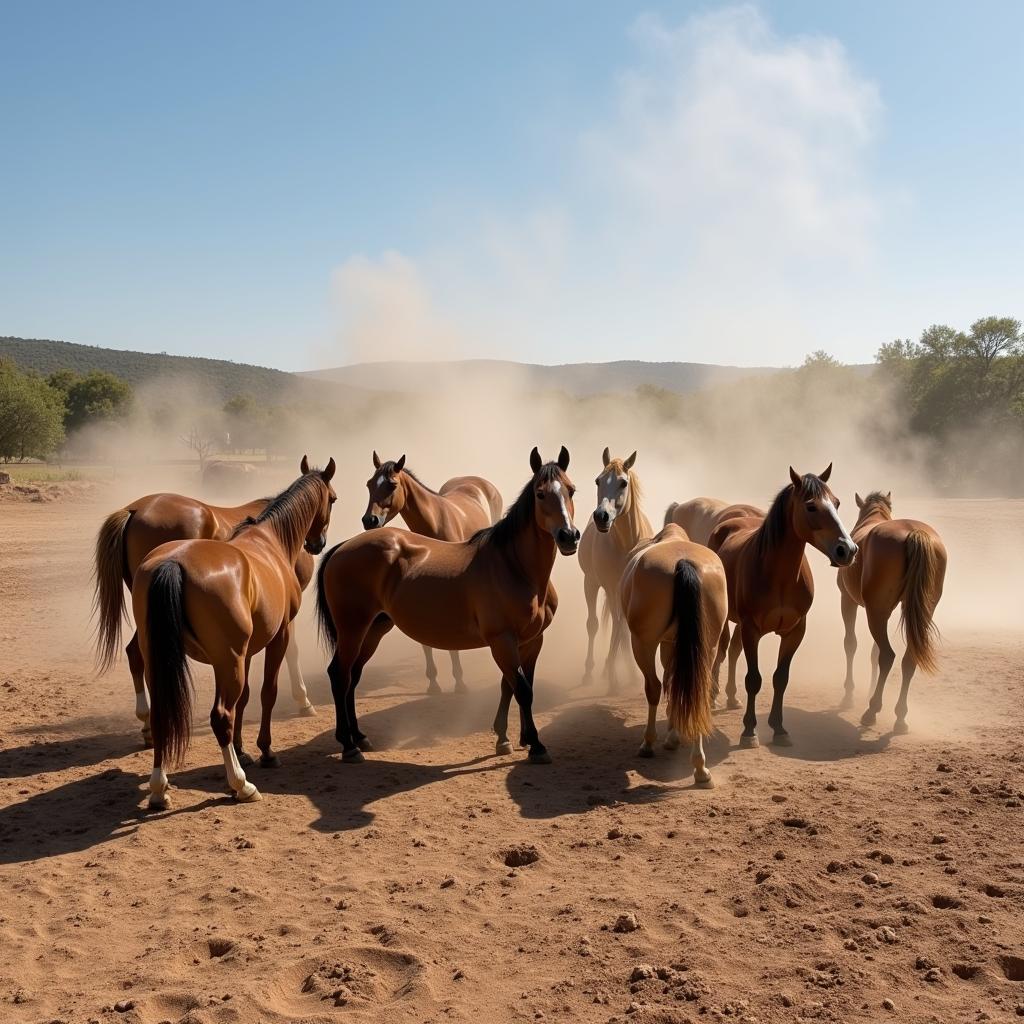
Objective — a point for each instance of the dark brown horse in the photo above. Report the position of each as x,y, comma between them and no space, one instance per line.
770,582
902,562
463,506
126,537
493,590
220,603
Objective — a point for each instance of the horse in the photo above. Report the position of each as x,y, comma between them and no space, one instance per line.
902,562
462,506
675,599
617,525
493,590
770,582
126,537
220,602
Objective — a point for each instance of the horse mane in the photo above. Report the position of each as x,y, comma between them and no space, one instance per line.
290,512
519,514
634,515
389,468
876,500
772,531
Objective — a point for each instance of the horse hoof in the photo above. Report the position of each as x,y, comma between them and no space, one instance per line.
159,803
539,757
732,704
433,690
868,718
365,744
900,728
270,761
248,794
781,739
353,756
672,744
703,779
646,750
749,742
461,688
846,703
244,758
307,711
503,748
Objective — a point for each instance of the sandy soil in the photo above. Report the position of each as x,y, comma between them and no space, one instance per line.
812,883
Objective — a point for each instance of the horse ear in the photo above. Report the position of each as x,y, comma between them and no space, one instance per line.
606,457
376,461
795,477
400,465
857,498
888,497
628,464
535,460
304,465
328,471
824,475
563,459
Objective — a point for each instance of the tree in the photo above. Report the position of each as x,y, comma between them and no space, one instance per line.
96,397
31,415
201,443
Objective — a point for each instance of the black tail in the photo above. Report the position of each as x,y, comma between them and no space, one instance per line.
324,623
170,679
689,682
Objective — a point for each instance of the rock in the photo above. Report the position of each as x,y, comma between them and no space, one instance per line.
888,1004
219,946
615,833
869,878
933,974
642,972
520,856
923,963
887,934
626,923
447,882
938,840
124,1005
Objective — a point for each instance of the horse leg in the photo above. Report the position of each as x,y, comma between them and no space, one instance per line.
231,681
381,626
849,609
672,736
874,664
505,651
644,654
275,654
299,693
735,644
909,667
528,655
878,623
432,687
137,667
500,727
460,682
614,648
752,683
591,588
780,680
716,671
244,758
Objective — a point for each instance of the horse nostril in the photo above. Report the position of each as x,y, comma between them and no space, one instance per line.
577,533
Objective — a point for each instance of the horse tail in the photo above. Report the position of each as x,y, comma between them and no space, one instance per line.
689,682
325,627
108,587
170,679
921,590
670,512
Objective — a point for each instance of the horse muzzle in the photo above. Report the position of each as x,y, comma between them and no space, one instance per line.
567,540
371,521
602,520
843,554
314,547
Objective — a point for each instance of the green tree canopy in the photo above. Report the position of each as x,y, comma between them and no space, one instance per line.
96,397
31,415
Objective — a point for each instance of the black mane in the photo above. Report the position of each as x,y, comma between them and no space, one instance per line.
288,511
519,514
773,529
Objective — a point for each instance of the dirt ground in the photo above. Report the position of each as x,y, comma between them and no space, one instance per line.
857,876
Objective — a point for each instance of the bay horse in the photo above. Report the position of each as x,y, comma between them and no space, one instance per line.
770,582
615,528
463,505
126,537
902,562
493,590
220,602
675,600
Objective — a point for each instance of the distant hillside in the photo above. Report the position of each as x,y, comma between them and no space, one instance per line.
580,379
227,379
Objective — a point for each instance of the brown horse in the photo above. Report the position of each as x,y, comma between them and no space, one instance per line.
902,562
770,582
221,602
126,537
617,525
675,598
493,590
464,505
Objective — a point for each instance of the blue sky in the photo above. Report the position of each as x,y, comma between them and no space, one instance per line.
311,184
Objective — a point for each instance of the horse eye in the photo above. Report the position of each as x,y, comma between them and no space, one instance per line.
622,485
837,503
810,506
572,491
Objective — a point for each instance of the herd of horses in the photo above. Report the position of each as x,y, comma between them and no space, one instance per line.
219,585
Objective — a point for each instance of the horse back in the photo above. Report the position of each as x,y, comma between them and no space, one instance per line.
477,500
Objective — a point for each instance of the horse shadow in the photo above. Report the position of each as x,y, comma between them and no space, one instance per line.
105,739
824,736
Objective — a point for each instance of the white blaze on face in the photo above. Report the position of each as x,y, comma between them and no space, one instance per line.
557,488
843,535
381,480
610,496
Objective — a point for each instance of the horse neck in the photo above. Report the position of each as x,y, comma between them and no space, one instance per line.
535,553
870,518
632,525
421,511
787,556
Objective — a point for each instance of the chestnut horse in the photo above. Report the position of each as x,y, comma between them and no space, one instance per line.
902,562
493,590
463,505
675,599
126,537
617,525
221,602
770,582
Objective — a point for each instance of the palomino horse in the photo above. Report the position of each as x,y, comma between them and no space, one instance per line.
902,561
126,537
464,505
616,527
221,602
770,583
675,598
493,590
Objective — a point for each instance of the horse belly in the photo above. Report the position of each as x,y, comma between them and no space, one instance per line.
435,614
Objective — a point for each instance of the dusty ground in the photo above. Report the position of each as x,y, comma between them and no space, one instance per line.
811,883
